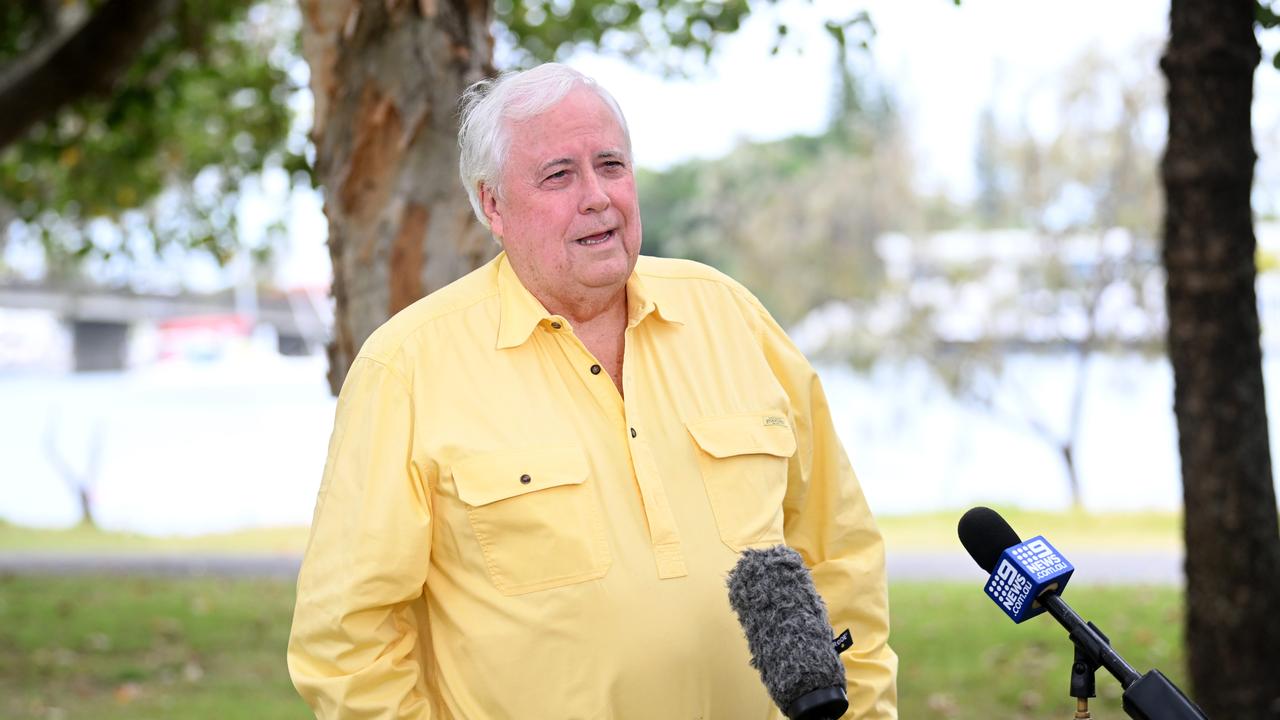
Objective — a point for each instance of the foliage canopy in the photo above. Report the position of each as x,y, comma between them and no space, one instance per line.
208,94
159,158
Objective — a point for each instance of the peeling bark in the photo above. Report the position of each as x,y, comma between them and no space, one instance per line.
1232,535
387,75
369,173
407,257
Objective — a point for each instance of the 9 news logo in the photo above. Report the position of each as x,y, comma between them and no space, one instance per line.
1009,587
1024,572
1039,559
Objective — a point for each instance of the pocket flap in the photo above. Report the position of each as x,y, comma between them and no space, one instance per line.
722,436
488,478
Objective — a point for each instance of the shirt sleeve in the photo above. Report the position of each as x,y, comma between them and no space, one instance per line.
353,648
827,520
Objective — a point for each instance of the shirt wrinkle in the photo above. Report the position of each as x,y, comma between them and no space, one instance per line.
388,366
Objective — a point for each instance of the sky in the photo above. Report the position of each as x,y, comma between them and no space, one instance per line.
943,64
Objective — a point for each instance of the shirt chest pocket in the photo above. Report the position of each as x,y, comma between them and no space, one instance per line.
534,516
743,459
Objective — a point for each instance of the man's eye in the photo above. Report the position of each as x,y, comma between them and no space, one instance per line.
558,175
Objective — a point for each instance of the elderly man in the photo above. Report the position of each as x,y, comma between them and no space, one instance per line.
540,475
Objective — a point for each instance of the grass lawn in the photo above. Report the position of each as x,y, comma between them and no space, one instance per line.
930,531
961,657
136,648
117,648
82,538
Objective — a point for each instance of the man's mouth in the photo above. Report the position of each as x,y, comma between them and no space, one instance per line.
595,239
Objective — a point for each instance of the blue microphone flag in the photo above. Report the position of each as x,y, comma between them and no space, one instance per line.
1023,572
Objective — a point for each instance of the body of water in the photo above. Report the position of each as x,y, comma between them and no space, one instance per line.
196,448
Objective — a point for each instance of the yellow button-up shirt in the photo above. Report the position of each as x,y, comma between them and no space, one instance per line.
500,534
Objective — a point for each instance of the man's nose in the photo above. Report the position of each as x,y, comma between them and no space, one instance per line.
594,198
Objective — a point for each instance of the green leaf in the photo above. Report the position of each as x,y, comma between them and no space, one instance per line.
1265,16
204,96
836,32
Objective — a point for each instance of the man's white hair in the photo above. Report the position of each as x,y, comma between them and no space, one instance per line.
490,106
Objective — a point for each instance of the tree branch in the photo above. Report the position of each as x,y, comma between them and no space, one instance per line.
70,65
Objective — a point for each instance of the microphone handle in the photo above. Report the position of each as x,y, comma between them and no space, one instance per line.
1089,639
1146,697
821,704
1154,697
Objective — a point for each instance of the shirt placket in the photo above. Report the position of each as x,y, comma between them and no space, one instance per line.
663,533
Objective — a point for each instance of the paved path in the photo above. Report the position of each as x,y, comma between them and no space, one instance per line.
1150,567
150,564
1146,567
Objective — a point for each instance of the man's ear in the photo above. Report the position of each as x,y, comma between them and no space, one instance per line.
489,204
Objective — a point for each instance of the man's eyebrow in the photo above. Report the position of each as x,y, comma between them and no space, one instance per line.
610,154
553,163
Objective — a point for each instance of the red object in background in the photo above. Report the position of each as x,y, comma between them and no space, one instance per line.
200,337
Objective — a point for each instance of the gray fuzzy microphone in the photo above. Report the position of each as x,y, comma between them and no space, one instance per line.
788,633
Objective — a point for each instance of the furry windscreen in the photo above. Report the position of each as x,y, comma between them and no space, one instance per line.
785,622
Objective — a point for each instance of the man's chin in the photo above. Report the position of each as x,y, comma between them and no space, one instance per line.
609,272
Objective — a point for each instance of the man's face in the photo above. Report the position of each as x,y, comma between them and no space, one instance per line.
567,212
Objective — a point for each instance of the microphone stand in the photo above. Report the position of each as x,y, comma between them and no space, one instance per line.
1146,697
1083,679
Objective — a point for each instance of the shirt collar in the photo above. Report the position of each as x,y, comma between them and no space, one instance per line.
643,300
521,312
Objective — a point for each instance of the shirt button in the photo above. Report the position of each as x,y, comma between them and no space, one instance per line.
525,479
556,325
595,369
633,432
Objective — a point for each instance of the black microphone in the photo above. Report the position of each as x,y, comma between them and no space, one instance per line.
788,633
987,537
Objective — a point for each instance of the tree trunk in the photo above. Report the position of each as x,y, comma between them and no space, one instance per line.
1232,537
1068,453
86,508
386,76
